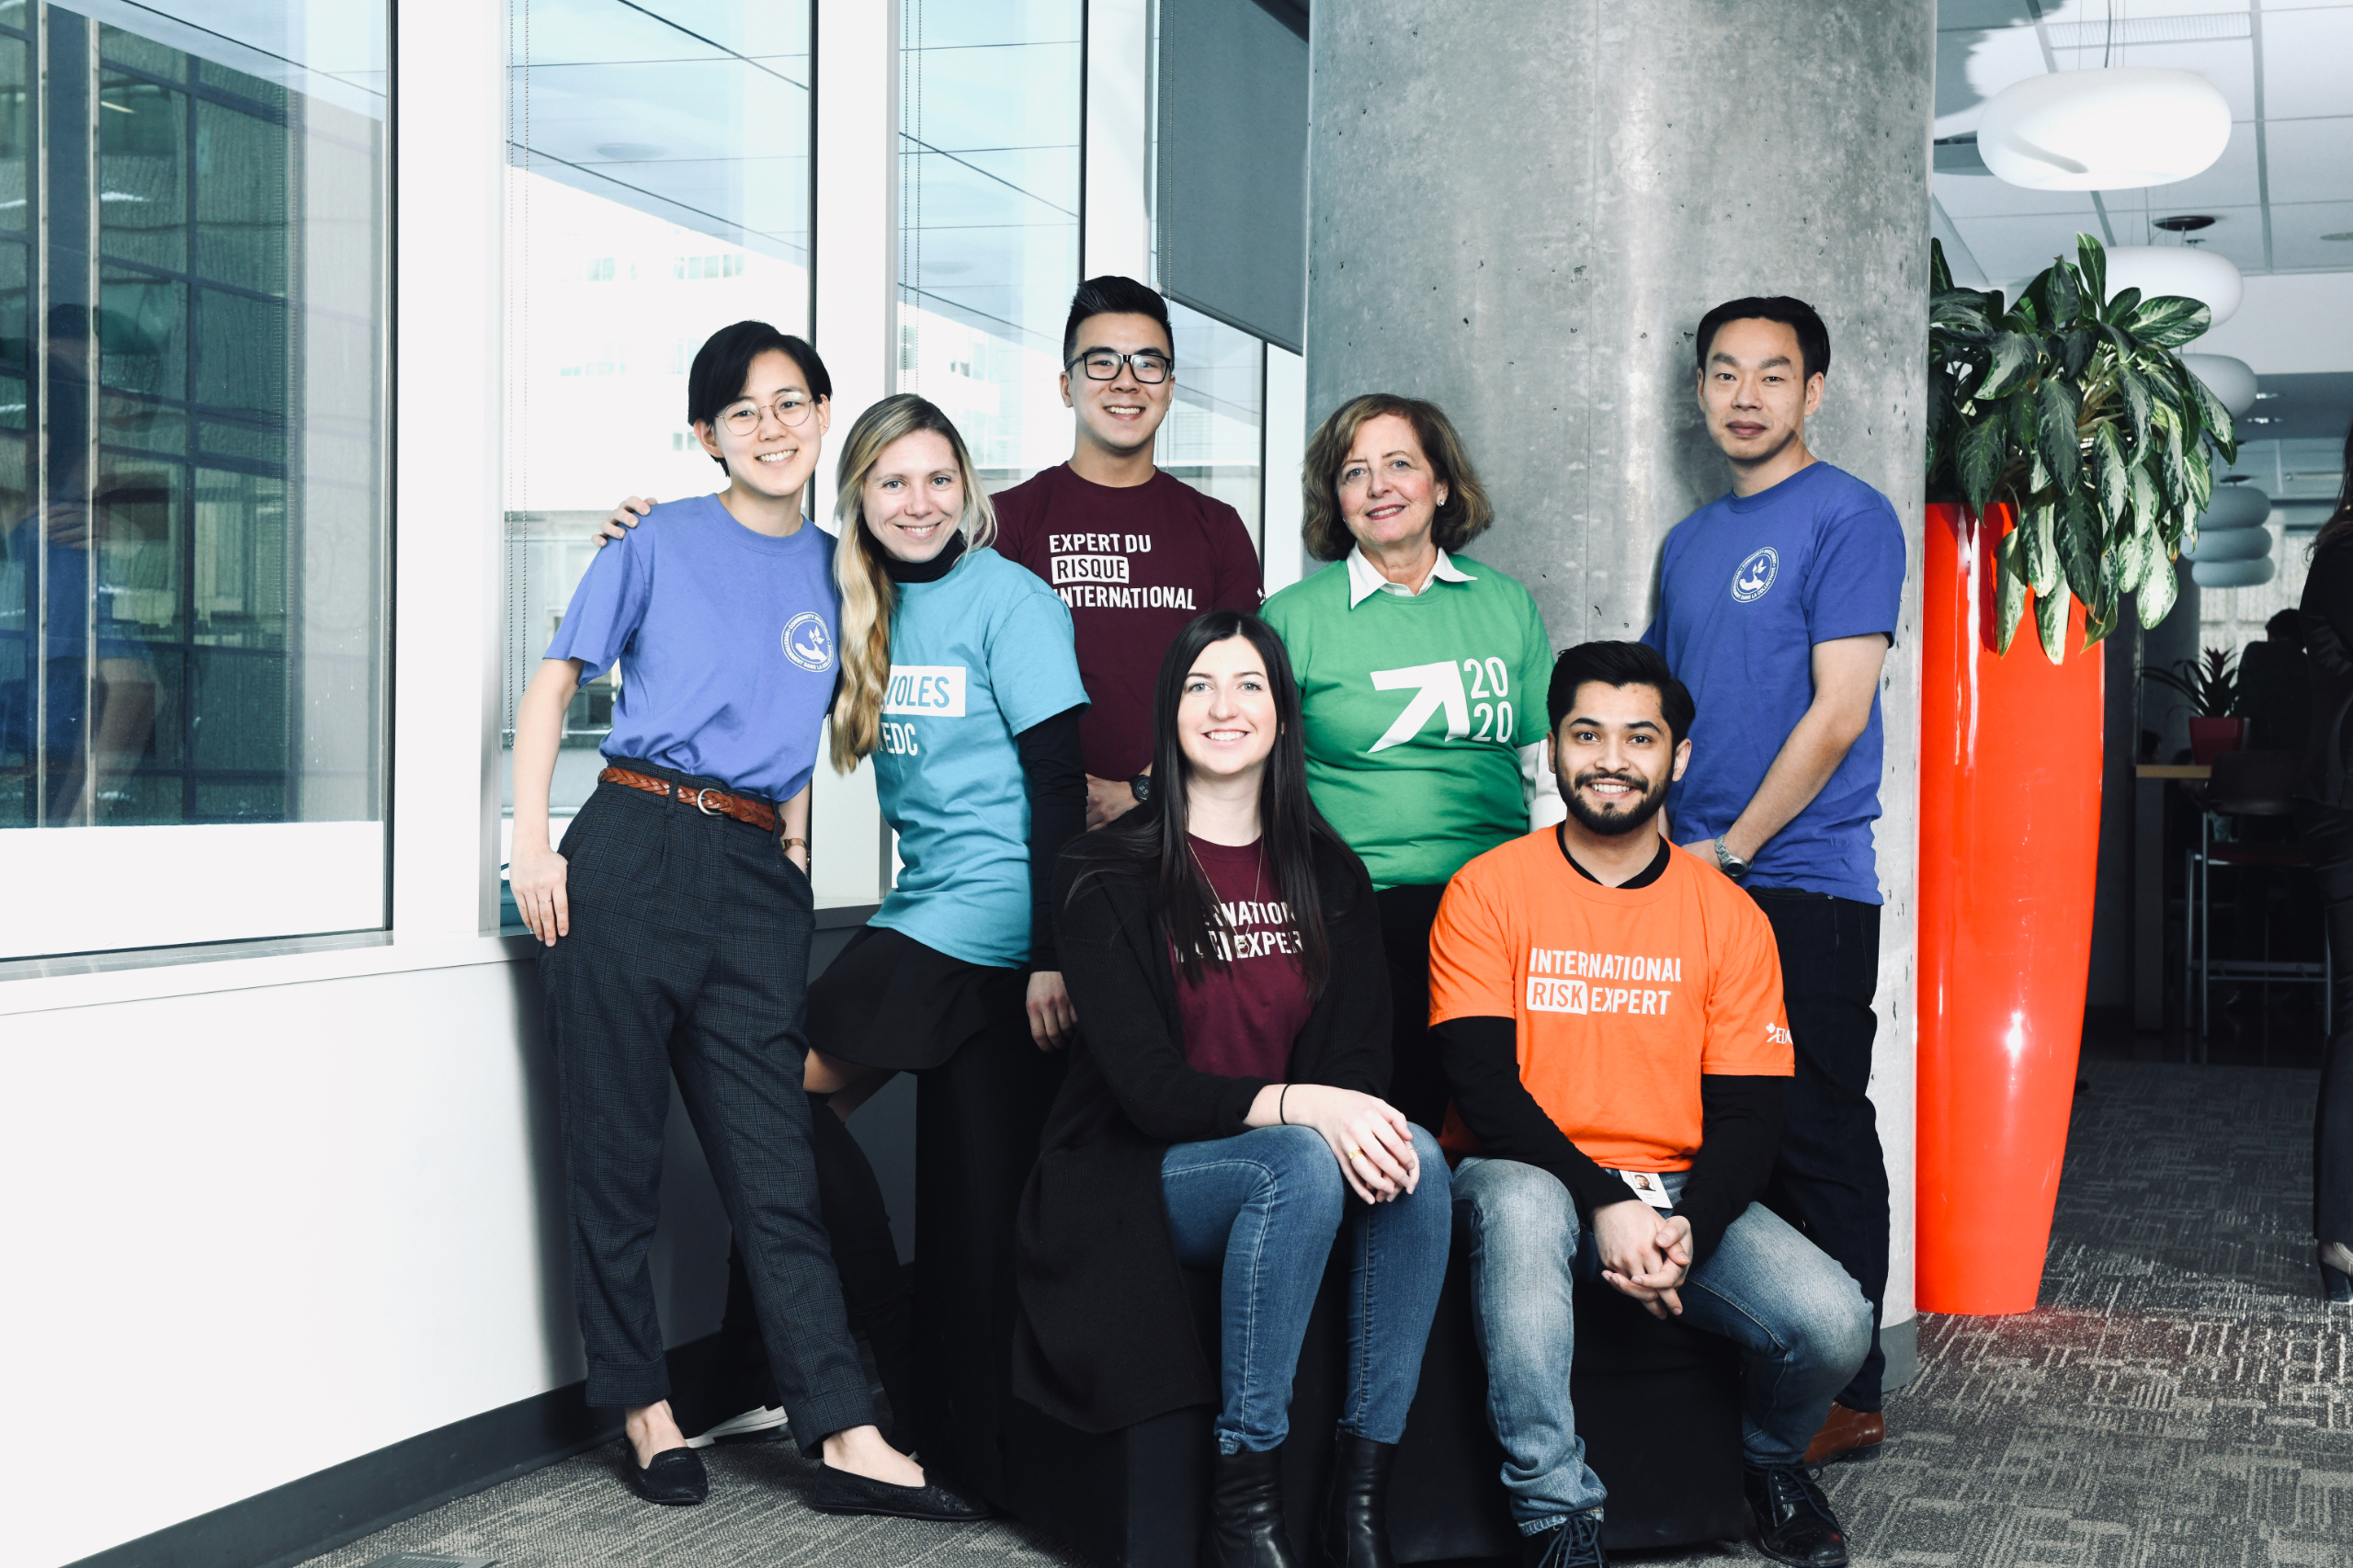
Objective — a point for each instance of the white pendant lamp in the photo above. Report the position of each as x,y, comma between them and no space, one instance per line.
2233,574
2188,270
2230,381
2105,130
2234,506
2231,544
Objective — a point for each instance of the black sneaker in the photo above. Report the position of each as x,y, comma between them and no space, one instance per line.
1794,1523
1575,1543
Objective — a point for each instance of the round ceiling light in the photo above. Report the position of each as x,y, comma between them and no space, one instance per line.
2107,129
2231,544
2230,381
2234,506
2233,574
2200,274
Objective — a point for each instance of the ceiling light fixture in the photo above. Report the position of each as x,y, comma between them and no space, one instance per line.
2104,129
2201,274
2230,381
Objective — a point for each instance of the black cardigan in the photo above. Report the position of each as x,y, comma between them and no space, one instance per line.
2326,621
1105,1338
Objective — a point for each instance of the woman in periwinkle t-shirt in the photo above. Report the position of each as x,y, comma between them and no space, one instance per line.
677,919
960,681
1224,948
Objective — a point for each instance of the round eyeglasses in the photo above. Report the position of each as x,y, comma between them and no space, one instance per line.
1151,365
791,410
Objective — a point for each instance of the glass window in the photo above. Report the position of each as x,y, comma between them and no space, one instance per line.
658,188
988,212
193,434
1215,436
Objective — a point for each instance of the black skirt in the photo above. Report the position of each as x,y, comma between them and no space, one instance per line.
890,1002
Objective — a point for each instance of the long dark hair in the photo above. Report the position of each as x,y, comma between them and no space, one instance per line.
2340,519
1152,840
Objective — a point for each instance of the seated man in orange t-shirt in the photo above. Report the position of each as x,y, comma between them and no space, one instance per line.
1610,1015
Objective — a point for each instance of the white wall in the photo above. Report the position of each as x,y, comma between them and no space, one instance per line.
272,1213
272,1230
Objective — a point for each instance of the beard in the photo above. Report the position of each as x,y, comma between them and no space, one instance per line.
1616,824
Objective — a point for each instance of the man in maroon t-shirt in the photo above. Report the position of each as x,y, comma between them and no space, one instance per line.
1135,553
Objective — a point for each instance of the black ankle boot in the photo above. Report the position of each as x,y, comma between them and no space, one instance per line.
1355,1515
1246,1512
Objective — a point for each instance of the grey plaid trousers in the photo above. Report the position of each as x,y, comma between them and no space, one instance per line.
688,953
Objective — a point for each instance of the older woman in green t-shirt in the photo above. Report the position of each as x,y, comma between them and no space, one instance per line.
1422,674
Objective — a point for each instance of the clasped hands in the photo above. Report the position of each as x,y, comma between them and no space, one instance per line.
1370,1137
1645,1254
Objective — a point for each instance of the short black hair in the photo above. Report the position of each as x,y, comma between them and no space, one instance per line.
1619,664
1112,295
723,362
2287,626
1814,339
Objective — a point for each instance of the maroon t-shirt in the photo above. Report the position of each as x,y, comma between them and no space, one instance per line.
1135,565
1240,1021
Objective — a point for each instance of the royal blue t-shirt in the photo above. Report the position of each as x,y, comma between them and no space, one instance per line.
976,658
1748,585
725,639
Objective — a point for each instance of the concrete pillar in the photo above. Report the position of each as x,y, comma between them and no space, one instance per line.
1520,211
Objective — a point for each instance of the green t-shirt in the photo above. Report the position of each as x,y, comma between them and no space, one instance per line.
1417,709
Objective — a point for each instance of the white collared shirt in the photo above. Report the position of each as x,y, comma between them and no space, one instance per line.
1365,579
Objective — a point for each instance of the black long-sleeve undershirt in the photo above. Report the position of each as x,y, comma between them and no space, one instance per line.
1740,1131
1054,770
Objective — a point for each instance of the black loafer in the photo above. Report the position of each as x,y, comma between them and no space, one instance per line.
675,1477
839,1492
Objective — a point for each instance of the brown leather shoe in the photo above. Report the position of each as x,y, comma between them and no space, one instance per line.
1847,1434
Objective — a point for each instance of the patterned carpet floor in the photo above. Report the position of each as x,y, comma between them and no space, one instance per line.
2179,1399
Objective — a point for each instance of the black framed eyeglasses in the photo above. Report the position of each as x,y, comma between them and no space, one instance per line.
1151,365
791,410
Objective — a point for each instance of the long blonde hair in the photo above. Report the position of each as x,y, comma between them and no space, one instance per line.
868,599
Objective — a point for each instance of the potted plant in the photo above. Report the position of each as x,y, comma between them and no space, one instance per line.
2070,453
2212,687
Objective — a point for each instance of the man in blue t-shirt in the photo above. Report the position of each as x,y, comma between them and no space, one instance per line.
1776,606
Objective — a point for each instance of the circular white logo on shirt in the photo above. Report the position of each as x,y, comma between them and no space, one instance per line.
1756,574
808,643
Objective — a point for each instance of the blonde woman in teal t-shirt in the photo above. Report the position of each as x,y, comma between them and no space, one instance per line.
1422,675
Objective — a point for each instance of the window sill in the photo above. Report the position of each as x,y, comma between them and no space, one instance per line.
97,979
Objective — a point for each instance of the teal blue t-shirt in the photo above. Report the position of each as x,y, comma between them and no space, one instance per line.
976,658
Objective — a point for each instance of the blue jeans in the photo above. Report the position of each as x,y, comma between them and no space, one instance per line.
1801,1324
1265,1208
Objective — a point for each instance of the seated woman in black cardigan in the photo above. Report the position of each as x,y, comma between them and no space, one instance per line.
1222,950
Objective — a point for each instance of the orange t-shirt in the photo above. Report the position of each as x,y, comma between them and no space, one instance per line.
1623,998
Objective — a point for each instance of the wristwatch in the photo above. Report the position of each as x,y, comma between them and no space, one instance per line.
1730,864
1141,786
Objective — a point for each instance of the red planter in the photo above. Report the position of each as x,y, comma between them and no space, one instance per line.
2009,849
2210,738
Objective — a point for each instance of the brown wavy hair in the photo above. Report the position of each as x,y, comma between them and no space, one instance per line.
1462,517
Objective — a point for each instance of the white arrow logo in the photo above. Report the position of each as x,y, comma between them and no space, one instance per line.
1440,683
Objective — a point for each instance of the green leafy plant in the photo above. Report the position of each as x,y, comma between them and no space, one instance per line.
2211,686
2073,407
